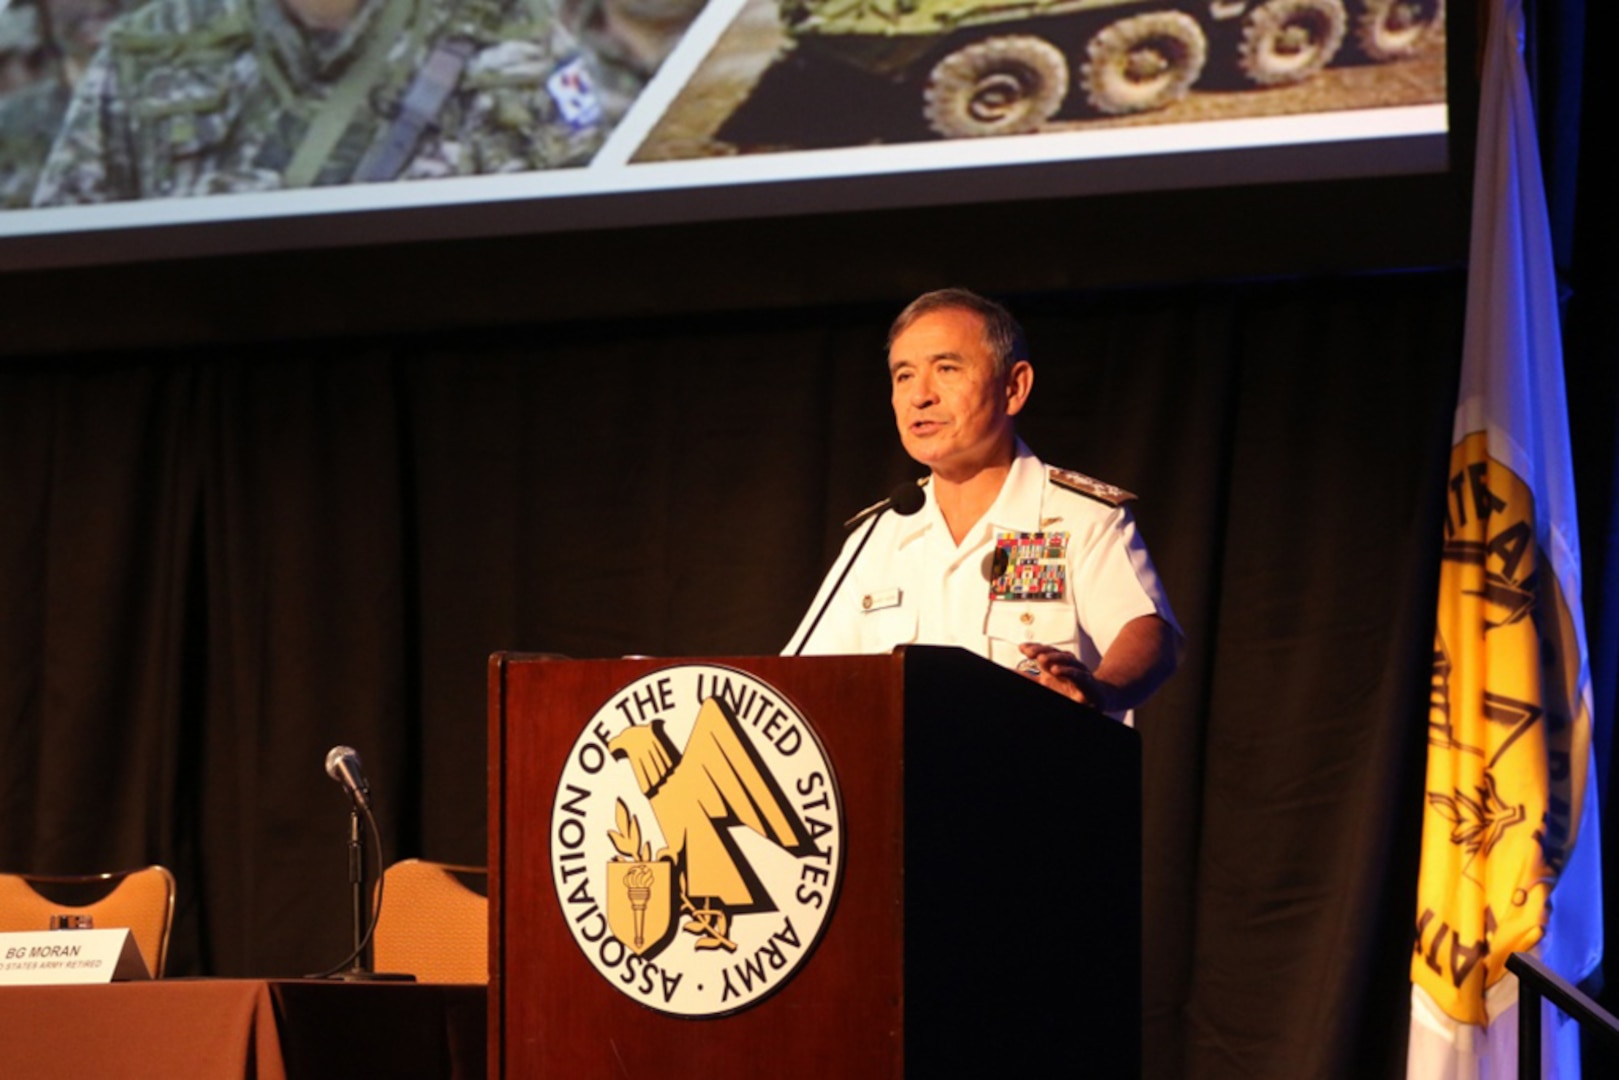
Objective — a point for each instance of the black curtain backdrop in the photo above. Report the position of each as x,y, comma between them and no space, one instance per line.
219,564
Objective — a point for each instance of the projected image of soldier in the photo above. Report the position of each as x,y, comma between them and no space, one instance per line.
44,48
199,97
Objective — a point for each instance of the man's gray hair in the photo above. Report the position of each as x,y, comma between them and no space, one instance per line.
1002,333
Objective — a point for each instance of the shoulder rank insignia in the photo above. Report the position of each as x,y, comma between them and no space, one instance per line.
1090,487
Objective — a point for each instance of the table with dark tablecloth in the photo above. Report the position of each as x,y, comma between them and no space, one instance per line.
243,1029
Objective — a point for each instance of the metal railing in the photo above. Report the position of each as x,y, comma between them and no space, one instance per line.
1536,981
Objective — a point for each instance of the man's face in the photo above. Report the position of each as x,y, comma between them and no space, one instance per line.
954,413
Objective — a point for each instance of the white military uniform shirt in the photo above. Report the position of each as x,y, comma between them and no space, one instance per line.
914,584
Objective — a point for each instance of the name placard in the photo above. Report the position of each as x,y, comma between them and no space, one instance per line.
44,957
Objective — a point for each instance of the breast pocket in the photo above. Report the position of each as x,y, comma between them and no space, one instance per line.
1011,623
883,628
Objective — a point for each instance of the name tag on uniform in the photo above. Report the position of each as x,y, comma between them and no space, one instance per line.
876,601
1029,566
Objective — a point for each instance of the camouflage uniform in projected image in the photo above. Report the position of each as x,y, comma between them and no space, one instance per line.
45,46
29,118
202,97
31,102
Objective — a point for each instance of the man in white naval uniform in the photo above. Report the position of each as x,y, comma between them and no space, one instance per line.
1035,568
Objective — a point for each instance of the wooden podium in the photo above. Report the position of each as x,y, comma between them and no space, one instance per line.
987,920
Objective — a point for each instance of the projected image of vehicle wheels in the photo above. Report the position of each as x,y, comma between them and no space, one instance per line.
999,86
1287,41
1395,29
1143,62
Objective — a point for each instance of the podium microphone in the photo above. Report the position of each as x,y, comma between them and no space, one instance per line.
904,500
343,765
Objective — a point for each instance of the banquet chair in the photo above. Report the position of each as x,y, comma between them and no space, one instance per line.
433,922
140,900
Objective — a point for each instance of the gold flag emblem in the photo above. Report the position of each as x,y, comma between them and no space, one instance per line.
1508,738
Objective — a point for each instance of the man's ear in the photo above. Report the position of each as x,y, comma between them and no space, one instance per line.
1019,382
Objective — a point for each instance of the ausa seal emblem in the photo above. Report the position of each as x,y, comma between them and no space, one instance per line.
697,840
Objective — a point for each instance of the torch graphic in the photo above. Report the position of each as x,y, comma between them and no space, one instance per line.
638,883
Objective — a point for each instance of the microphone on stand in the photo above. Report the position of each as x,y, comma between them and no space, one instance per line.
343,765
904,500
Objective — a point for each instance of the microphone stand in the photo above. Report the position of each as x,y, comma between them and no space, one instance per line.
343,765
832,594
906,500
359,969
361,966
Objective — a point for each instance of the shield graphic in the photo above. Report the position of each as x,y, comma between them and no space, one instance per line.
640,902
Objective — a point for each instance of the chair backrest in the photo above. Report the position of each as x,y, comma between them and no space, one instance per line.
140,900
434,922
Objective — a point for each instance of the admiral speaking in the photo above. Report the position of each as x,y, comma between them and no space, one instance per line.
1033,567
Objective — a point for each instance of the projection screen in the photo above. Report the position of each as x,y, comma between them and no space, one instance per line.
134,128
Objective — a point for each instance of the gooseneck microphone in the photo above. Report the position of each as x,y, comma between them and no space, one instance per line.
343,765
904,500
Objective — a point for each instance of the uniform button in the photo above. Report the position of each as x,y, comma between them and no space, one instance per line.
865,603
1026,619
